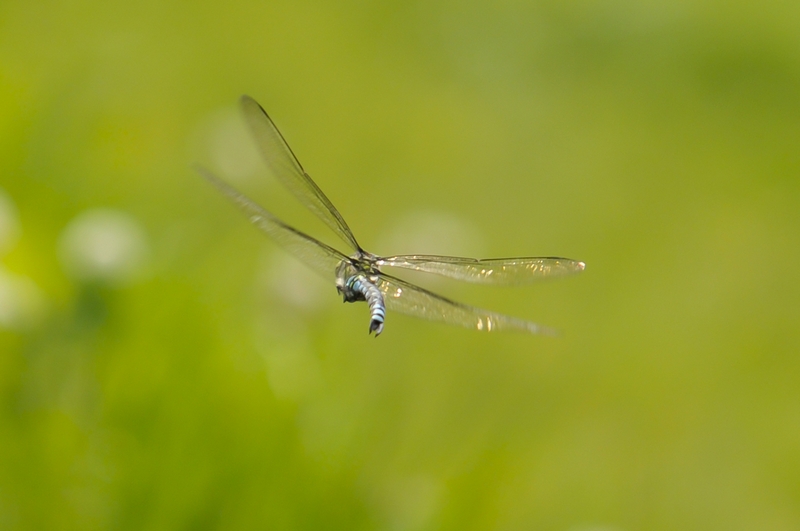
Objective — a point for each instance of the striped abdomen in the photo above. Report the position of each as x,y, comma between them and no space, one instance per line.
363,289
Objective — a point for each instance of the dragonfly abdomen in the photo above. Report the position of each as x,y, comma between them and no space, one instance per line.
366,290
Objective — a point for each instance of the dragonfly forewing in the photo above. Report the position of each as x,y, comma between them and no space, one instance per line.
413,300
498,271
319,257
287,169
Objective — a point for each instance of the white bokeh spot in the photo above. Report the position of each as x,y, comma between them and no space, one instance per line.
104,245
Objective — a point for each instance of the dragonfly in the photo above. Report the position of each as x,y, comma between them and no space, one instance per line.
361,276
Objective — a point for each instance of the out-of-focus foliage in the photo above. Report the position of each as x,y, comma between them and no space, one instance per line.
164,366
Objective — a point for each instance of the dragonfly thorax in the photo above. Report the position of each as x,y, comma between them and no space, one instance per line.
365,262
362,263
351,276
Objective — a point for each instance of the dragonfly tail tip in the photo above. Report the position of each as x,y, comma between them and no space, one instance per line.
375,326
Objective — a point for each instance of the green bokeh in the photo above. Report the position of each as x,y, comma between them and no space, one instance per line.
218,387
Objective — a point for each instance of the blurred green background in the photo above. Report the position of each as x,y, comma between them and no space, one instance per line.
164,366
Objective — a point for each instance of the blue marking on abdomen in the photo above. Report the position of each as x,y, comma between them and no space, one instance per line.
374,298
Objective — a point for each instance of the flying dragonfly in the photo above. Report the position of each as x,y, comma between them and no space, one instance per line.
360,276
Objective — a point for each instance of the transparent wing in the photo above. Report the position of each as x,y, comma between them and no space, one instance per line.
493,271
409,299
318,256
287,169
